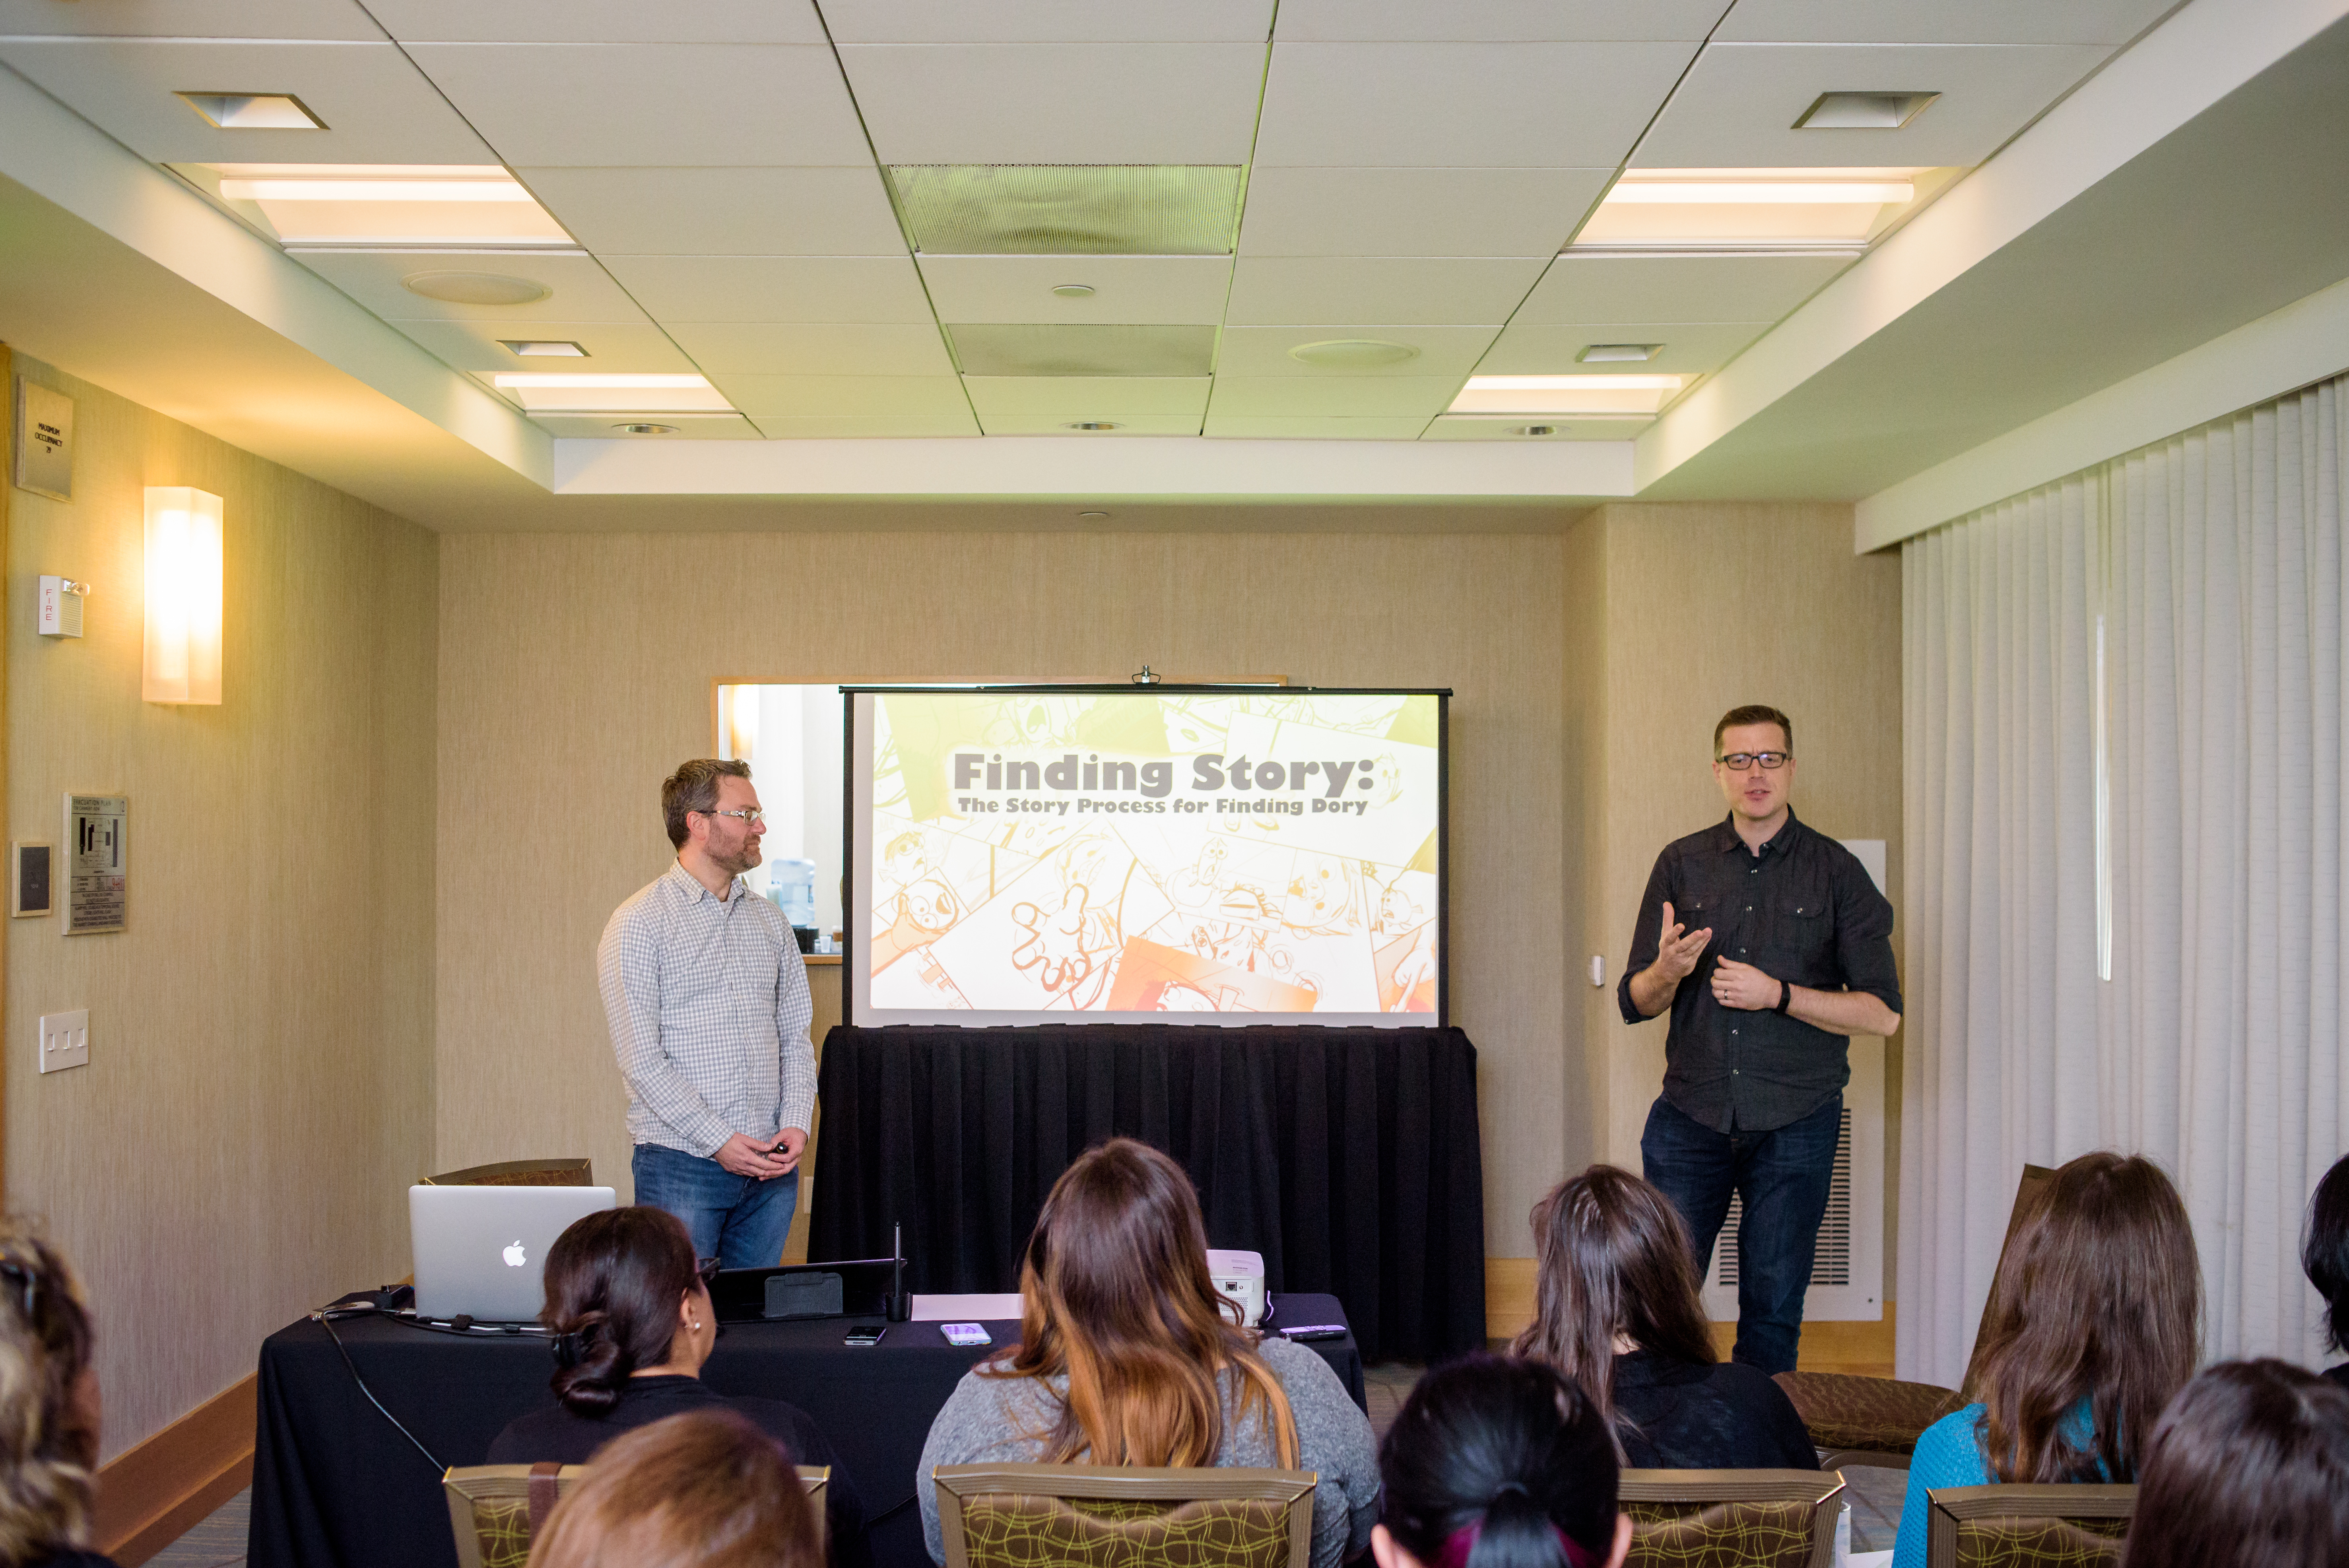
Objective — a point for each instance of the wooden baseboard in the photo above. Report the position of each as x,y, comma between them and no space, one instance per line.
1864,1349
152,1495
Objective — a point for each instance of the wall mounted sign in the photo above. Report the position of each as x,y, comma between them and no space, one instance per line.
45,420
98,831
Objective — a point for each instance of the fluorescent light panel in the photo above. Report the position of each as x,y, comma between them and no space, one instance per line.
473,205
1576,394
574,391
1748,208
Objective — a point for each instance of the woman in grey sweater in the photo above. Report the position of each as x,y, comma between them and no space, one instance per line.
1128,1357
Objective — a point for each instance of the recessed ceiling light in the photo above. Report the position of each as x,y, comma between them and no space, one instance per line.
253,111
646,430
476,288
1748,208
541,348
1565,394
1093,517
469,205
1091,425
1536,431
591,392
1352,354
1073,291
1620,353
1863,111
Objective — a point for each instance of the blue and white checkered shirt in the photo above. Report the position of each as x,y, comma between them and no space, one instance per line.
708,1003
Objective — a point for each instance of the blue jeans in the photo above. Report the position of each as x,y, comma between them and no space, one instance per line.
1783,1176
740,1221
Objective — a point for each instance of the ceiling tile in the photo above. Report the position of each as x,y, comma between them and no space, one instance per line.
475,346
721,211
1047,21
191,19
1263,350
1292,290
1469,106
1937,21
1738,104
683,427
835,427
376,106
1511,428
582,290
1688,350
757,396
868,349
1058,103
600,22
1316,426
1499,21
589,105
1087,397
1425,395
1155,290
1127,425
1675,288
1416,211
678,289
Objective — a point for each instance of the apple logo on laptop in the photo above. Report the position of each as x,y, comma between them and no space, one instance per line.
515,1257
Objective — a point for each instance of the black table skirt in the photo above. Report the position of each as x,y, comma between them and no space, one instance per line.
1349,1158
335,1486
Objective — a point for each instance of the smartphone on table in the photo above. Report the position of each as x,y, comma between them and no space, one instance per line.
865,1334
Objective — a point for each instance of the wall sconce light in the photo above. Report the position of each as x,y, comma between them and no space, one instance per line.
182,662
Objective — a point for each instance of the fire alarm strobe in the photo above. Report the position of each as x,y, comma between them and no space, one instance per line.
61,600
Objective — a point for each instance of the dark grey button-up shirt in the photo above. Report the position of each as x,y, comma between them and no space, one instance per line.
1803,910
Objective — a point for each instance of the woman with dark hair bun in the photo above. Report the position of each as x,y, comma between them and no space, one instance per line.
2248,1468
629,1306
1499,1464
2324,1254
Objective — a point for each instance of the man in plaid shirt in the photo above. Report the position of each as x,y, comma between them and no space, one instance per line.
706,997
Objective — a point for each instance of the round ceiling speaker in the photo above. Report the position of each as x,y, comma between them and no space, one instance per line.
475,288
1352,354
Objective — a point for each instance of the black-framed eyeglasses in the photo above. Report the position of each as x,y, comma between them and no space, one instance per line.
751,815
1739,761
705,1269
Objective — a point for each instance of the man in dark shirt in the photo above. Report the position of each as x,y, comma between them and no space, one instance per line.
1772,947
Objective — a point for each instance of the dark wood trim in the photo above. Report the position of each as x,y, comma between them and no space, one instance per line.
152,1494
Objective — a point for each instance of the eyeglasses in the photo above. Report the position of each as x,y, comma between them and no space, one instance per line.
1739,761
751,815
706,1270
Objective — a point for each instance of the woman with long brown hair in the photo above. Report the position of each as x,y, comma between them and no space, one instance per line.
1616,1309
2248,1468
1127,1355
2094,1323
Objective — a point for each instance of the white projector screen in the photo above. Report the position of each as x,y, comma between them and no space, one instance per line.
1146,854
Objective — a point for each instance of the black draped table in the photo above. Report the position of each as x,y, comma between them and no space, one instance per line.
1349,1158
335,1486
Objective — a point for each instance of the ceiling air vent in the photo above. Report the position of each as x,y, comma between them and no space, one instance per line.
1061,349
1068,210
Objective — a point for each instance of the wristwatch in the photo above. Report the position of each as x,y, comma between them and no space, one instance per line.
1785,995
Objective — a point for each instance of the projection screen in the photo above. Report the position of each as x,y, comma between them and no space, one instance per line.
1161,855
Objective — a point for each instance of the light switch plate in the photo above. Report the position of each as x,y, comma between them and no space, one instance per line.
65,1040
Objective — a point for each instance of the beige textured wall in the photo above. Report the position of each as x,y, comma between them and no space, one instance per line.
259,1093
574,672
1702,607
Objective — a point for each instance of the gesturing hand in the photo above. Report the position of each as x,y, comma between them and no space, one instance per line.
745,1158
1742,987
1677,955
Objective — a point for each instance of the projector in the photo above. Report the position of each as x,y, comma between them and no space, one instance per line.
1240,1279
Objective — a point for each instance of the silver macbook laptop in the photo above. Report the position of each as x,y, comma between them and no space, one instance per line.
481,1252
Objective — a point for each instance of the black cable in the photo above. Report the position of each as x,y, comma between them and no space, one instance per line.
325,1323
892,1511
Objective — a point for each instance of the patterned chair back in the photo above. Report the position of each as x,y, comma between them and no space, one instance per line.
1731,1519
494,1511
2028,1526
1105,1516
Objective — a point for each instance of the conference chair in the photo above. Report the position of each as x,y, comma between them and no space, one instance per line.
494,1511
1878,1421
1101,1516
519,1173
1753,1518
2027,1526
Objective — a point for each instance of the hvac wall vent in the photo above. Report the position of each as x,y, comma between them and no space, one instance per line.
1086,350
1067,210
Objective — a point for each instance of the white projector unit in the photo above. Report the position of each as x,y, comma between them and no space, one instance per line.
1239,1278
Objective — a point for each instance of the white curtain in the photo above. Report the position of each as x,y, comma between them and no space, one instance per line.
2176,613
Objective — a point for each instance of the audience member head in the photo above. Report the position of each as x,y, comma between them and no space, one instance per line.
1615,1264
2098,1301
1498,1464
624,1294
2248,1468
2325,1251
1116,1296
706,1490
49,1400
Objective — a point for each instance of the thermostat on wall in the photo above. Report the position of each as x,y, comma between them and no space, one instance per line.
29,883
61,600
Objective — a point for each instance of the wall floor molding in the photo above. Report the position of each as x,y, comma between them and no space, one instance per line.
151,1495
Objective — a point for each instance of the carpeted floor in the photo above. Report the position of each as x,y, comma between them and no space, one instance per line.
216,1542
